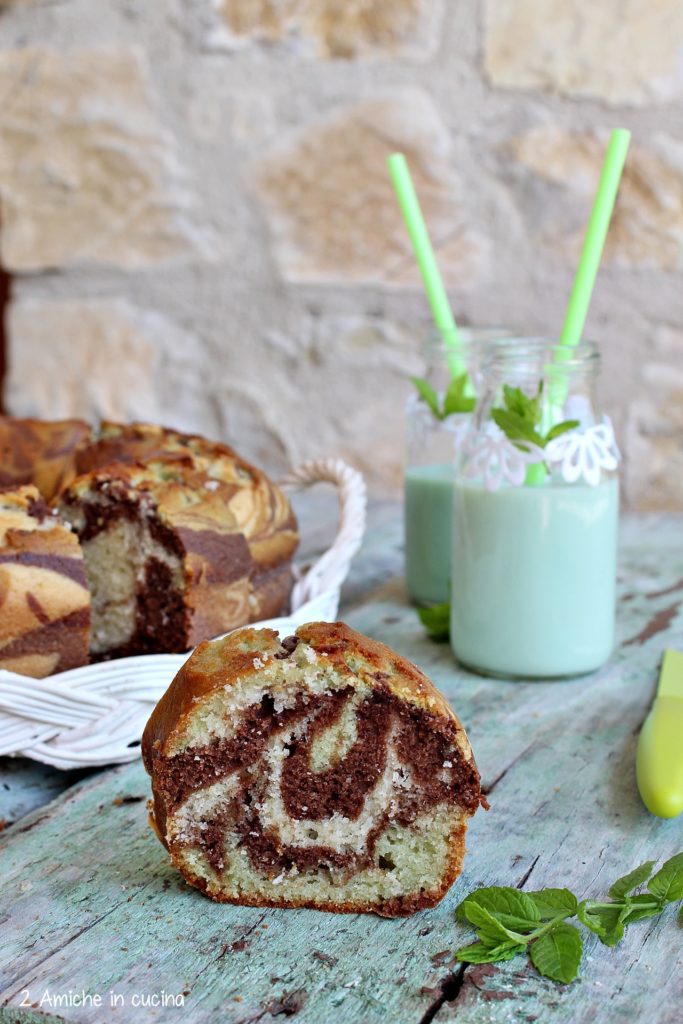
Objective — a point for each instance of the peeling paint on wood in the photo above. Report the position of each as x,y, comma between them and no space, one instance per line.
659,622
91,901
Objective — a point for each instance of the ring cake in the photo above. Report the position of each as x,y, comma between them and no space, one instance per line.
182,539
325,771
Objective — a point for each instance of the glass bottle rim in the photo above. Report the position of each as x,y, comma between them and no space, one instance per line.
515,347
442,341
535,352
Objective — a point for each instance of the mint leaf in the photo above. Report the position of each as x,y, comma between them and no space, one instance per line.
551,902
515,426
490,929
437,621
455,399
560,428
642,906
557,954
606,920
667,884
517,402
627,883
521,415
514,909
477,953
483,953
428,395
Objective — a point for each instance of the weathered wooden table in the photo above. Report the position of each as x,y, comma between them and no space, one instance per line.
91,907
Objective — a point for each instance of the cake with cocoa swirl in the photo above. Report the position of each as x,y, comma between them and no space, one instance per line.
180,538
44,599
322,771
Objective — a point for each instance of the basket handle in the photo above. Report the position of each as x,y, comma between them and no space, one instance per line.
330,570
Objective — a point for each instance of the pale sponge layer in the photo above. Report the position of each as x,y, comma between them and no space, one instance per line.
325,771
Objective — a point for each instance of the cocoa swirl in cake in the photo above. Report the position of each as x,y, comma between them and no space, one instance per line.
422,742
182,538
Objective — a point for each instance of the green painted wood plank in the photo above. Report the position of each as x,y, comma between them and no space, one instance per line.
25,785
106,911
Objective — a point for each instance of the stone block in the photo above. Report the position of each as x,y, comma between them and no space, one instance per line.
88,175
332,29
102,359
647,225
622,53
331,208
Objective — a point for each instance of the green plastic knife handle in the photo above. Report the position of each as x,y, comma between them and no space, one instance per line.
659,758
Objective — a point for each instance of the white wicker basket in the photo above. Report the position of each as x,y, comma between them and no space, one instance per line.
95,715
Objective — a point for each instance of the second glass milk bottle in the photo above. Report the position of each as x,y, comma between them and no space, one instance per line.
436,417
535,514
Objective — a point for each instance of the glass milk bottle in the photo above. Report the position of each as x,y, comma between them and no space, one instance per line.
535,512
432,436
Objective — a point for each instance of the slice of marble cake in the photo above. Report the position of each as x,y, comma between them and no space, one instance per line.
44,598
325,771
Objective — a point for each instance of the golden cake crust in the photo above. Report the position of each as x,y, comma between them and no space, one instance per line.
40,452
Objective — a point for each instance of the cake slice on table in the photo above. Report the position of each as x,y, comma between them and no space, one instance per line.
184,544
44,599
322,771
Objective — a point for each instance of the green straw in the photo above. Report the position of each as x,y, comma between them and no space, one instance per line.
426,261
593,244
584,279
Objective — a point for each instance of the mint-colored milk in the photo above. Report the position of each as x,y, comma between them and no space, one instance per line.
428,527
536,570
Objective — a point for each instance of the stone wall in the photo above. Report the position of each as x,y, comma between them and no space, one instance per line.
199,228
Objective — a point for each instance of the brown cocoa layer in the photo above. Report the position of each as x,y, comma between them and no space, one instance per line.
343,787
65,637
97,516
72,568
226,555
40,510
161,618
271,590
199,767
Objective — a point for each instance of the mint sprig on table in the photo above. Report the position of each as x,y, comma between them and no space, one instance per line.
456,399
509,922
520,416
